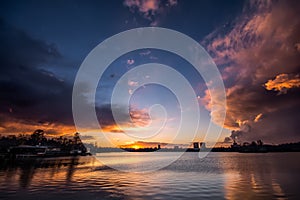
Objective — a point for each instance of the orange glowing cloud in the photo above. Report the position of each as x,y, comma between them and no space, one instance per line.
282,83
113,128
51,129
258,117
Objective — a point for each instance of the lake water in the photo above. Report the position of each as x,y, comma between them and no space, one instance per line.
217,176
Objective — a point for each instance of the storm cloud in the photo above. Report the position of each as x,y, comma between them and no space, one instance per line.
260,46
31,96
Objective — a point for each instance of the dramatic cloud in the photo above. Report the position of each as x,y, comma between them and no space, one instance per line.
214,105
150,9
132,117
31,97
283,82
260,45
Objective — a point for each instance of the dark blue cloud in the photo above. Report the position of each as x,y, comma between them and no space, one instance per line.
29,92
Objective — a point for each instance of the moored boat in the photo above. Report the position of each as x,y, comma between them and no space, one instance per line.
27,151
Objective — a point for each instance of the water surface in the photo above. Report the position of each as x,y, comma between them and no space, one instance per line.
217,176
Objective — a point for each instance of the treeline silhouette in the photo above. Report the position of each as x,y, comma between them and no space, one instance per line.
38,138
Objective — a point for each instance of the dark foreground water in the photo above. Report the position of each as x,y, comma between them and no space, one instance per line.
217,176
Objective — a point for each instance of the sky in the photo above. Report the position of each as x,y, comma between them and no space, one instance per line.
255,45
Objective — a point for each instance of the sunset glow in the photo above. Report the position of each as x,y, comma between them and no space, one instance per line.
261,77
149,99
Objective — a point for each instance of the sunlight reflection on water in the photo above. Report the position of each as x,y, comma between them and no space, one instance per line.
217,176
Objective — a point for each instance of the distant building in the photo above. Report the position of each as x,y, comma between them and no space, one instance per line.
196,145
158,146
176,147
202,145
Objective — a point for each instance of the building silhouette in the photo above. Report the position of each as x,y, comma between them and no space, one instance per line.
202,145
196,145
